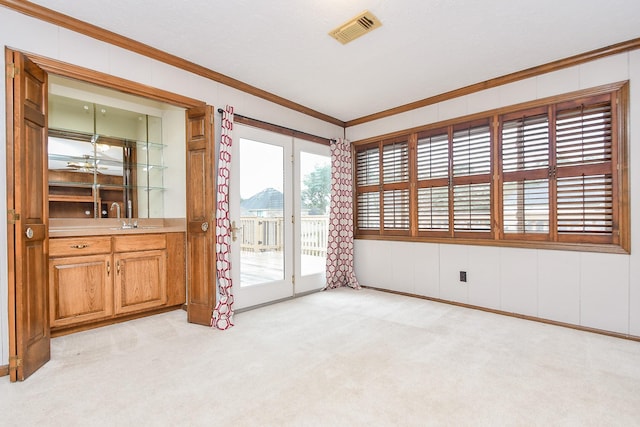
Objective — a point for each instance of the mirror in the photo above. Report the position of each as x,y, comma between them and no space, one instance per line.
104,161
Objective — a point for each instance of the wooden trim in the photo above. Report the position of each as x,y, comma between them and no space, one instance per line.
10,185
60,331
503,80
247,121
112,82
4,370
112,38
486,115
511,314
558,245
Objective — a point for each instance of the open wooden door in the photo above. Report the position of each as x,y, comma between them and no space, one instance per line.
200,215
29,340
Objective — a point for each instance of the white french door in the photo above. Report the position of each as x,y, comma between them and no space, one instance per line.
312,186
278,246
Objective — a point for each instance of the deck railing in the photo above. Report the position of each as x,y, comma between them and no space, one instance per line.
264,234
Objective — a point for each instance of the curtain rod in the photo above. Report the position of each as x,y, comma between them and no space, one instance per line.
284,130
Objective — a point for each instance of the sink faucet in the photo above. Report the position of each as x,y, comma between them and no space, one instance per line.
117,206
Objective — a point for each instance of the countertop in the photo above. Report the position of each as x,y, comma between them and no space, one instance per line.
67,227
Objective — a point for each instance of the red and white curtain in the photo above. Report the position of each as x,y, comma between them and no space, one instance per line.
339,269
222,317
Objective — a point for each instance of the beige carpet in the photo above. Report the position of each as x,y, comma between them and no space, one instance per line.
335,358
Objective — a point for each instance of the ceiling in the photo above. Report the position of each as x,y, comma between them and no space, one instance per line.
423,48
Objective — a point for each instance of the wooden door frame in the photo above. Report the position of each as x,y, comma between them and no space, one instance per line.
52,66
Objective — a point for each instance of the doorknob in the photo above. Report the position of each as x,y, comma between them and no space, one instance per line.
204,226
234,236
29,233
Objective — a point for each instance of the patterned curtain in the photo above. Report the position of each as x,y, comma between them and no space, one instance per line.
340,245
222,317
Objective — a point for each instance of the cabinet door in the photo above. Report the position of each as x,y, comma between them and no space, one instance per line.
81,289
140,280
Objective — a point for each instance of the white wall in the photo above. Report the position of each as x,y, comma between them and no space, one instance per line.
30,35
589,289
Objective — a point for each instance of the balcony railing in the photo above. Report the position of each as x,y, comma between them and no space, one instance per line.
264,234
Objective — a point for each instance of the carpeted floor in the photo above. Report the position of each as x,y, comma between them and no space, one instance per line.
334,358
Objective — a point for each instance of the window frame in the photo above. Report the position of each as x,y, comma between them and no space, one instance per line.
617,241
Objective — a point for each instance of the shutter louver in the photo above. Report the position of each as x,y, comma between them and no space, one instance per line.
433,157
583,135
369,211
585,204
526,206
472,151
472,207
395,163
368,167
433,208
525,143
396,209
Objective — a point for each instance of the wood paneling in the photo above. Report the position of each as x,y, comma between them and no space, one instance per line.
176,269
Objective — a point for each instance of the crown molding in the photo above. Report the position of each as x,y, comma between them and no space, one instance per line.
76,25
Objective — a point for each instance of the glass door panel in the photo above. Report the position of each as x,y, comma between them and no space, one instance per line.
261,210
312,170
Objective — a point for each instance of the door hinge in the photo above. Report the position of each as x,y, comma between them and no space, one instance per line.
293,219
293,279
12,216
12,70
14,362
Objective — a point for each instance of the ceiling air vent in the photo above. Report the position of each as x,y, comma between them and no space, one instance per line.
355,27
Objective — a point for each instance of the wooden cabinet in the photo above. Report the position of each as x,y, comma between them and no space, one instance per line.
98,279
81,289
140,280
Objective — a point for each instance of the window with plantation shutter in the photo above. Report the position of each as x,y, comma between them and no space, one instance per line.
585,193
368,211
367,192
471,164
432,170
395,186
553,174
525,153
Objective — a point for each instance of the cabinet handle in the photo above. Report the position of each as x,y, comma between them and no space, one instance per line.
118,267
80,246
108,268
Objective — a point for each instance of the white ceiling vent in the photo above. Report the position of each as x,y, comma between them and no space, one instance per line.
355,27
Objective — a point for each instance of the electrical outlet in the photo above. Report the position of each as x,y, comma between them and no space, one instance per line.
463,276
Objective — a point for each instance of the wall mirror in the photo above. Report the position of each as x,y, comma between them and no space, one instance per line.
105,155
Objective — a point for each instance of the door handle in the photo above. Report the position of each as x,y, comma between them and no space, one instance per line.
29,233
234,229
204,226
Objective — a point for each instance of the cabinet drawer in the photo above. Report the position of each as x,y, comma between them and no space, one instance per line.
72,246
139,242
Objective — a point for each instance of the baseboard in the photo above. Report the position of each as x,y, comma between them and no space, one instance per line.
516,315
4,370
